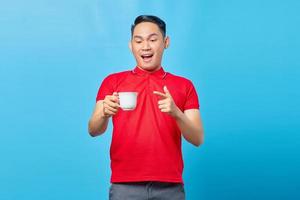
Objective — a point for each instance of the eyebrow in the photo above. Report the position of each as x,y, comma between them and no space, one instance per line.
149,36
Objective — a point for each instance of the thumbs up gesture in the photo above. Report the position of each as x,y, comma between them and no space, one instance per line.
167,104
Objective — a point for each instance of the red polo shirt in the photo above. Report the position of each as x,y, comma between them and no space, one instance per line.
146,143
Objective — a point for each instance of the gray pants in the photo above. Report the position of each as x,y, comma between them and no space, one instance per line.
146,191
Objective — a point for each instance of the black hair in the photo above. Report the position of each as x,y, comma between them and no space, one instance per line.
150,18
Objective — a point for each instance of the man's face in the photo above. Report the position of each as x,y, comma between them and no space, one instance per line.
147,45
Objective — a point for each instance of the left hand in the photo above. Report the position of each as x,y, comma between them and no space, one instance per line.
167,104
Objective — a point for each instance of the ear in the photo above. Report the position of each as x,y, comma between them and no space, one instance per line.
130,45
167,42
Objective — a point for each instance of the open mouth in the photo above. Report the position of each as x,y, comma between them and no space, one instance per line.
147,57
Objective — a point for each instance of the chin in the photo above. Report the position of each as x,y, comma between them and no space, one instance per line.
149,67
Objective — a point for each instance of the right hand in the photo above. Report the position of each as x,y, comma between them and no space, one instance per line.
110,105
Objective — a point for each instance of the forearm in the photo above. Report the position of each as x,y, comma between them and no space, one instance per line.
98,122
191,131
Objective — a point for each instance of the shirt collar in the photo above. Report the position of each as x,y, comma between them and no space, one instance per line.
158,73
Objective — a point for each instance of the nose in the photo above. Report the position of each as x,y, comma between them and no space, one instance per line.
146,46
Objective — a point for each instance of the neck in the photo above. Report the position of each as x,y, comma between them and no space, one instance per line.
152,70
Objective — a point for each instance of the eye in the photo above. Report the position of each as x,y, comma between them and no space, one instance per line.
138,41
153,40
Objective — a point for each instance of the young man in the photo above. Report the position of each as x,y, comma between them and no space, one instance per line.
146,157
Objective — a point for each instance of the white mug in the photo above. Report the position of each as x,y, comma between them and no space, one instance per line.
128,100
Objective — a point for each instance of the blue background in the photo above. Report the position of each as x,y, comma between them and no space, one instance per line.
242,56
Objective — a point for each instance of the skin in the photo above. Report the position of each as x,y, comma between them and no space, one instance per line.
147,40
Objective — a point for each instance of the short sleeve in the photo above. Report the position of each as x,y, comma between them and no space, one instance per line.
192,101
106,88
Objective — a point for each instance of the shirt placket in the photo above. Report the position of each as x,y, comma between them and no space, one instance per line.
148,84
